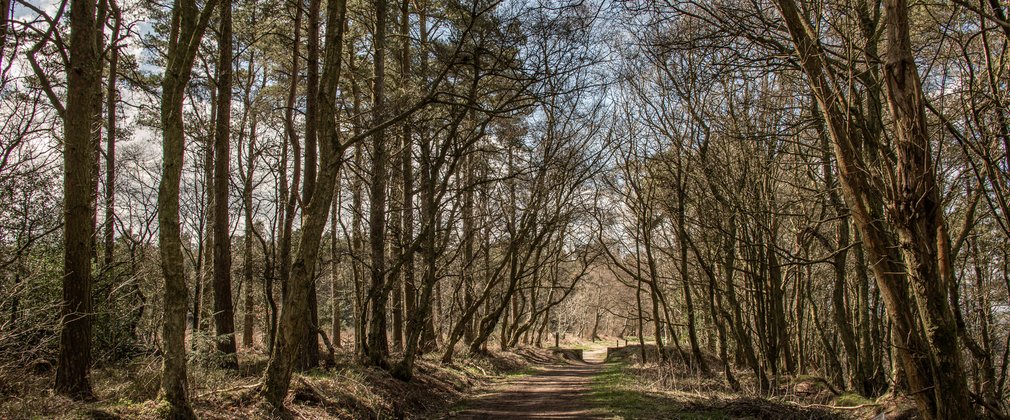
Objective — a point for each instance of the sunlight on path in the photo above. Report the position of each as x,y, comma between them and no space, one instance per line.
558,391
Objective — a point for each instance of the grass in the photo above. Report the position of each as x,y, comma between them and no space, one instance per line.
522,373
614,389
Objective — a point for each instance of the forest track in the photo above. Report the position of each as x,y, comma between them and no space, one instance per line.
556,391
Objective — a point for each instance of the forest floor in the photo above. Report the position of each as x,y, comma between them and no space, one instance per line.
344,390
578,382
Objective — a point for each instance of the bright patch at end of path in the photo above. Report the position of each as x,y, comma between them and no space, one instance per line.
559,391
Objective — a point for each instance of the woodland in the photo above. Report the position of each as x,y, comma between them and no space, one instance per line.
237,203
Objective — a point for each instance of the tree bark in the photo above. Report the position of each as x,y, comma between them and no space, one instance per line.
203,273
286,207
335,278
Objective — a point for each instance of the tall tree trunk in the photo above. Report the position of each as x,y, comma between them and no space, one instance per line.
112,100
357,248
335,278
224,314
249,308
681,218
357,195
396,248
83,87
406,159
96,138
204,269
469,234
399,244
377,346
289,192
308,353
188,26
286,207
357,236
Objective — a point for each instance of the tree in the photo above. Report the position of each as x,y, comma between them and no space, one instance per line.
188,23
224,315
919,219
295,315
913,191
112,100
83,92
377,348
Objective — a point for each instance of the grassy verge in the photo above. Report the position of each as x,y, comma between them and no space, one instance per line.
614,390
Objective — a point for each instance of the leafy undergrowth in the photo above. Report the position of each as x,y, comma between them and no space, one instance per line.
347,390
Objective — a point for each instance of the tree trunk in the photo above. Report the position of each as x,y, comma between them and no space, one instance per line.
83,87
295,314
249,321
377,349
112,100
406,159
335,283
205,243
286,206
357,241
938,394
186,33
918,215
224,315
308,350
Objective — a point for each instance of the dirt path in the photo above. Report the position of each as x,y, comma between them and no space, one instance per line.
559,391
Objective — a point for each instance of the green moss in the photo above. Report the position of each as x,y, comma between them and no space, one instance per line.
851,400
162,408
